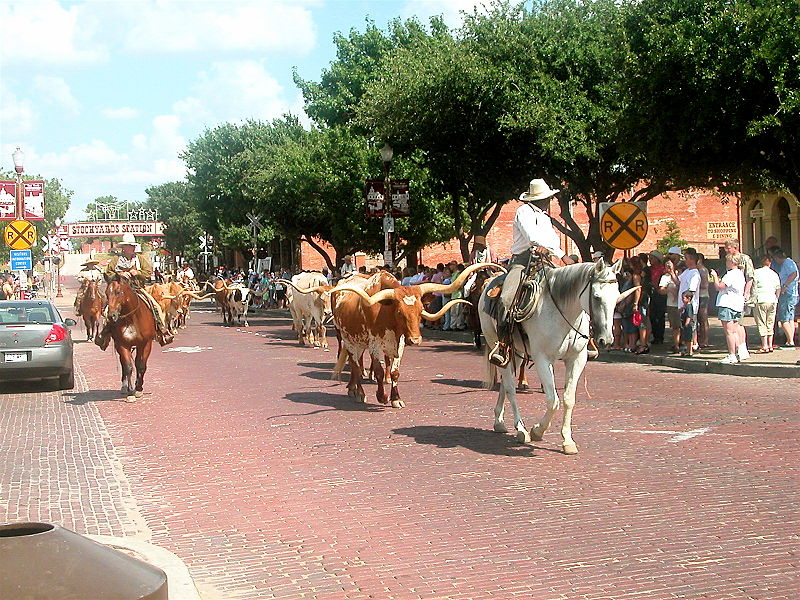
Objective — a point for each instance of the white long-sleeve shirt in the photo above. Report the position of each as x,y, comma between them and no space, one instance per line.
533,227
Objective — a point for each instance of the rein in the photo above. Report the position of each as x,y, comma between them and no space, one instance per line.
591,281
133,310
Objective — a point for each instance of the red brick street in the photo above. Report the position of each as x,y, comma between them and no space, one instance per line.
251,465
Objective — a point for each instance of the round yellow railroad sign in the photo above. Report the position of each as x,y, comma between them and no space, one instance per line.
19,235
623,225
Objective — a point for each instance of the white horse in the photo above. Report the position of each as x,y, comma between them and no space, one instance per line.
557,327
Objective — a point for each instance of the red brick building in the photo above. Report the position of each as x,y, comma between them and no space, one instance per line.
705,220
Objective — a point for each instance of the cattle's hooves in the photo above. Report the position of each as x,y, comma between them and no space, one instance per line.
523,437
537,434
500,428
130,399
124,389
570,448
138,393
326,349
398,404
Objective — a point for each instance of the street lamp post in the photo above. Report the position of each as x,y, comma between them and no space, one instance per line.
19,193
57,260
388,219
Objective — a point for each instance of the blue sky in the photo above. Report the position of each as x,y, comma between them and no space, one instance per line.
104,95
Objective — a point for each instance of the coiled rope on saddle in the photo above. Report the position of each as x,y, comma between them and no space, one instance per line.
528,292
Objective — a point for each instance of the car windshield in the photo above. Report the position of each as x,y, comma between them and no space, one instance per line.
25,312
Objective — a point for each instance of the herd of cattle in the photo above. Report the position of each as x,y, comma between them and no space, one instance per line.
372,314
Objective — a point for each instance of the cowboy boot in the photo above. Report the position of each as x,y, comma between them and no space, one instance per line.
500,355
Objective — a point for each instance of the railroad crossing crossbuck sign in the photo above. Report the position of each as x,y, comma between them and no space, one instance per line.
19,235
623,225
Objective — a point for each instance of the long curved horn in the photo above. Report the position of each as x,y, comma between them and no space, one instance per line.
194,295
440,313
441,288
317,289
627,293
370,300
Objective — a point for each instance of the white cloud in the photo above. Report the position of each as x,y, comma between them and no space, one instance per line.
44,31
55,90
226,25
17,117
233,91
121,113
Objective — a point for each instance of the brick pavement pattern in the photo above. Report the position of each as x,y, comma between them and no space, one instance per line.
59,464
269,482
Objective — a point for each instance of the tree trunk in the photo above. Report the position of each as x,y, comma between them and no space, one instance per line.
322,252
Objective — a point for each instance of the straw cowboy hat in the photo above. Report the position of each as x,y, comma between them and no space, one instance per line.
90,263
480,240
128,239
538,191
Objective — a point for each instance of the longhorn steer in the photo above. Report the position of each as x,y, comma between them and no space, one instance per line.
309,298
382,321
239,303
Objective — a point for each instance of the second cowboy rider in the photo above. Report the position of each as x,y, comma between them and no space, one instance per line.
532,232
136,268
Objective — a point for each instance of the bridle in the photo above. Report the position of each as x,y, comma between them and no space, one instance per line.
133,310
591,281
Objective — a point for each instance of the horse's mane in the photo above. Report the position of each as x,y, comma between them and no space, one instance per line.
567,282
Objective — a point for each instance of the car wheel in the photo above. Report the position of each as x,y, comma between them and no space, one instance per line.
66,381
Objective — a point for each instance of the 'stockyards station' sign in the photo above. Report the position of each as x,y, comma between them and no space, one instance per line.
115,228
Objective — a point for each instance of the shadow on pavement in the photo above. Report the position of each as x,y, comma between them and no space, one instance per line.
329,366
481,441
81,398
468,383
29,387
339,401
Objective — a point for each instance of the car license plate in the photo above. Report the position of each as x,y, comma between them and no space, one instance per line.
16,356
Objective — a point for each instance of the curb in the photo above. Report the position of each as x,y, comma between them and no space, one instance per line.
179,581
699,365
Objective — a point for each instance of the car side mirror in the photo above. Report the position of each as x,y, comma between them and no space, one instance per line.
70,322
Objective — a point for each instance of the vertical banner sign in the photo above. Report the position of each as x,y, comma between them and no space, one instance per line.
8,203
34,200
375,195
33,194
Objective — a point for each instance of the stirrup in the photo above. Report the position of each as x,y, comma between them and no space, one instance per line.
499,355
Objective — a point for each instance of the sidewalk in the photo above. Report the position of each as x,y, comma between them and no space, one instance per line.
780,363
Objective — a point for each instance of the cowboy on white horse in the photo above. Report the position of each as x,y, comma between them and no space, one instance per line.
532,232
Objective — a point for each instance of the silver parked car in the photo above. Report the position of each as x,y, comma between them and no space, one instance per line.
35,343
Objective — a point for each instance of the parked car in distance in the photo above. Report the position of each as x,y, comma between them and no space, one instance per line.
35,343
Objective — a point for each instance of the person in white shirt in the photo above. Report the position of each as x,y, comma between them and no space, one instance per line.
689,281
767,288
89,272
532,231
730,305
348,267
186,274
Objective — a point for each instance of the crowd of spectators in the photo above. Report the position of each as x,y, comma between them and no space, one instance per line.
681,287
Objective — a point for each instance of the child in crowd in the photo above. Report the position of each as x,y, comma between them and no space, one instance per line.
688,323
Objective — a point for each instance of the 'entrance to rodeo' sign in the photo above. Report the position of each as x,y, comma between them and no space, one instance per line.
623,225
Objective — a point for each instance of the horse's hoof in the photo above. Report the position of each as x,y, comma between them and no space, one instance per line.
500,428
124,389
130,399
570,447
138,393
523,437
537,434
523,387
398,404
